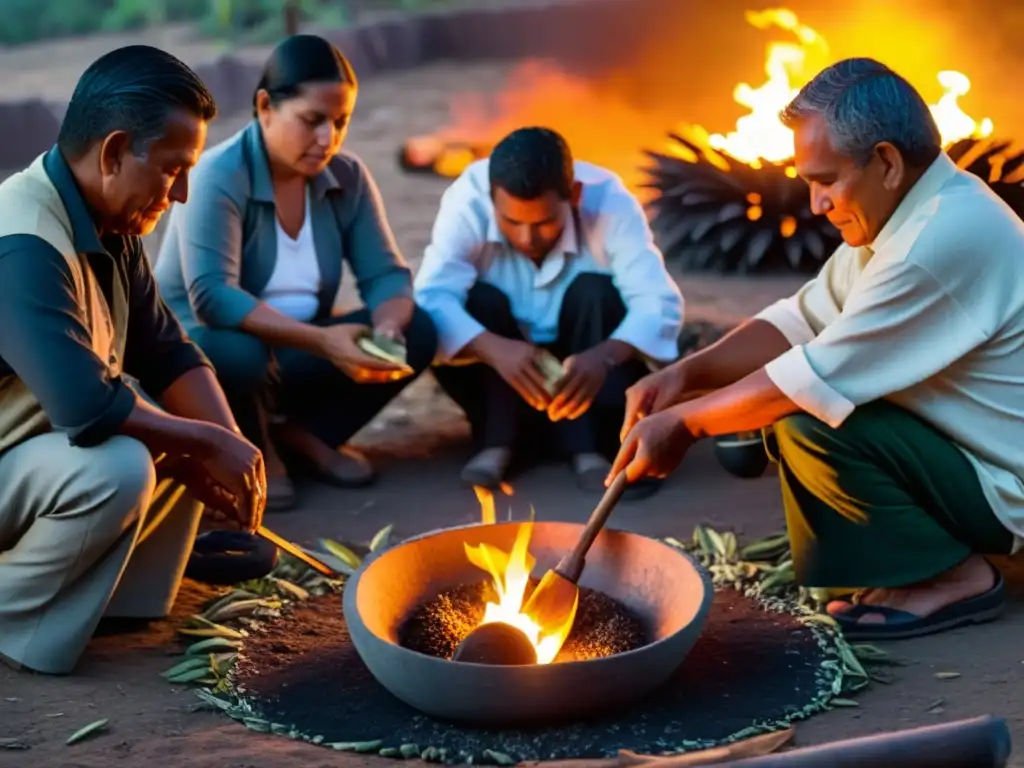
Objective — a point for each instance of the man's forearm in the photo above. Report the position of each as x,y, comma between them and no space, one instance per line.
482,347
279,330
163,432
751,403
615,352
197,394
739,353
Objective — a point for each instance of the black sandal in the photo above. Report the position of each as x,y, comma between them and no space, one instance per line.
899,625
225,558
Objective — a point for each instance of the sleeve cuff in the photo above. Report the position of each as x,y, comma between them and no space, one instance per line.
108,423
786,316
396,285
792,374
657,338
453,337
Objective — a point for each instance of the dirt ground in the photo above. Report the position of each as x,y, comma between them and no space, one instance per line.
419,444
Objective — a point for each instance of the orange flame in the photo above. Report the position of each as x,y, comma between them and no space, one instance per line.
538,93
510,577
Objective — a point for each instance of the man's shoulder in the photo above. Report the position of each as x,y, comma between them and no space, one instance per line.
967,226
20,245
604,191
474,181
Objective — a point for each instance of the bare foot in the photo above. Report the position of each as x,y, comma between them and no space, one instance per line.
973,577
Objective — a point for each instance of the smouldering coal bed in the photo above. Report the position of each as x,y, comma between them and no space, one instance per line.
603,625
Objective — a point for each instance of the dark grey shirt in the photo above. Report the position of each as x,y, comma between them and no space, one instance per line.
44,332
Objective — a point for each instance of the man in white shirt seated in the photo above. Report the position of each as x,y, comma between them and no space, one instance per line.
894,379
532,251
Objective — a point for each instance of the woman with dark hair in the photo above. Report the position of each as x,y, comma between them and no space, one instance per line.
252,264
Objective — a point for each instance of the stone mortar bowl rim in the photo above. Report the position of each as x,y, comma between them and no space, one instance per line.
369,643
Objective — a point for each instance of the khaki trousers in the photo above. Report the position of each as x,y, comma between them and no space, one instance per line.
85,533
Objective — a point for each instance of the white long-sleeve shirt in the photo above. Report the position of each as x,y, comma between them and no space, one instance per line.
613,238
930,317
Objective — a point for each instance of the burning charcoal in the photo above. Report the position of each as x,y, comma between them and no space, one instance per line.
438,626
713,212
603,625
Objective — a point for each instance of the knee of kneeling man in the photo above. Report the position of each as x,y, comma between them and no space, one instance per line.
592,288
124,466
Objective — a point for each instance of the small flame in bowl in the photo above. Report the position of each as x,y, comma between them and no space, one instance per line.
510,577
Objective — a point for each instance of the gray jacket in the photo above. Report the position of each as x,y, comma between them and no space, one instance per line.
221,246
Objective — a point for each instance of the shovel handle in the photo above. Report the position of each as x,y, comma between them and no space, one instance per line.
571,565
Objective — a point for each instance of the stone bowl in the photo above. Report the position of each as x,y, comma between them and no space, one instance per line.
667,588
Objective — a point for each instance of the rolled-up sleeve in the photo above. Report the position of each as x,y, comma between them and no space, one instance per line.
448,270
788,318
898,329
377,263
157,351
209,235
45,339
654,303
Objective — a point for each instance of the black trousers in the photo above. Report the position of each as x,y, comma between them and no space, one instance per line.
591,310
308,390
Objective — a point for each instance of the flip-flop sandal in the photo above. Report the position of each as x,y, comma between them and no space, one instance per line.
899,625
224,558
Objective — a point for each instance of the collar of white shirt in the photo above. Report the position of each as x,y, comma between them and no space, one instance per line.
939,172
549,270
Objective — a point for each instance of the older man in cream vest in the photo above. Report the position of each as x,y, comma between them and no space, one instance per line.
894,379
101,491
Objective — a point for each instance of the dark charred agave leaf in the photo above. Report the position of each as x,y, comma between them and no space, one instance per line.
714,213
746,219
998,162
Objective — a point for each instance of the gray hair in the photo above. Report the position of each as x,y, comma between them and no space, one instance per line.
863,103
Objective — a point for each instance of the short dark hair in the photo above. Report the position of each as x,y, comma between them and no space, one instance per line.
302,59
132,89
530,162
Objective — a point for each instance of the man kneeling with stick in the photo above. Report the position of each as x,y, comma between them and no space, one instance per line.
894,379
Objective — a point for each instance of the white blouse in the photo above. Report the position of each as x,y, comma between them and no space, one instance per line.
294,286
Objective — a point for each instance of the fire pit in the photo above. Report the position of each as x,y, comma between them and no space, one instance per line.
666,590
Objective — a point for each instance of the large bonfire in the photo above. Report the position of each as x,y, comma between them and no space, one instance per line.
725,201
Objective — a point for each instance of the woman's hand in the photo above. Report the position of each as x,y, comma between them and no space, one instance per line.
339,344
